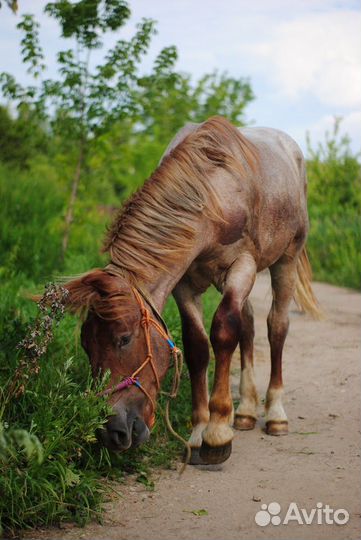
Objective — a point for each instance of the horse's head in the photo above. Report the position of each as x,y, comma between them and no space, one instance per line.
118,334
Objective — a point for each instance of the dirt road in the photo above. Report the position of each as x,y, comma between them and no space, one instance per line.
318,462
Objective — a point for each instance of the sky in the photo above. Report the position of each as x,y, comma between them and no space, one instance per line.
302,57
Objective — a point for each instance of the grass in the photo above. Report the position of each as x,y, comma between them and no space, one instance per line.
52,466
334,247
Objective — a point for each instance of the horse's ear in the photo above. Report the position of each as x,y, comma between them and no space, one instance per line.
86,290
90,291
81,295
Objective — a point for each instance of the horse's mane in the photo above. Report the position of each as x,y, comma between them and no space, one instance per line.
156,226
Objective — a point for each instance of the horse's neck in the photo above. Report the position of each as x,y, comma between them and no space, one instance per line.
161,283
161,286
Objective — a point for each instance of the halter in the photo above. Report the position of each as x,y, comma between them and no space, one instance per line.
146,322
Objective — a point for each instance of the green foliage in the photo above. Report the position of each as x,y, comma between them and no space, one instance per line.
31,216
30,47
19,445
84,18
50,471
47,433
168,99
334,175
21,137
334,247
84,99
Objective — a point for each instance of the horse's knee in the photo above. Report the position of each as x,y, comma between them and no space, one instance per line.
225,330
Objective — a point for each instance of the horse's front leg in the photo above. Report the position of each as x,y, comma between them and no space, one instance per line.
196,353
225,335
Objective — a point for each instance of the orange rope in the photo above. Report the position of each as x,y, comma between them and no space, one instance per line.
146,322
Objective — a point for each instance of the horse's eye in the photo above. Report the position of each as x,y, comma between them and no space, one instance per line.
124,340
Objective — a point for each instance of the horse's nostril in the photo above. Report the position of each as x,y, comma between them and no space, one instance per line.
123,430
140,432
135,430
121,438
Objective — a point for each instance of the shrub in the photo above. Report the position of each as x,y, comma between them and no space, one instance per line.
334,175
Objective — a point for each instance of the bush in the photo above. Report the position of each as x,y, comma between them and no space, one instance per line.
334,198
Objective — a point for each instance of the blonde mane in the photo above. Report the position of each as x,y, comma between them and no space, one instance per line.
156,227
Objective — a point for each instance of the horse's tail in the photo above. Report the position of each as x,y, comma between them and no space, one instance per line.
304,295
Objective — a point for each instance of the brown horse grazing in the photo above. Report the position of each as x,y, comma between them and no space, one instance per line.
222,205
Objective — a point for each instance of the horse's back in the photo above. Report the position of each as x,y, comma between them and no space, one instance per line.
279,155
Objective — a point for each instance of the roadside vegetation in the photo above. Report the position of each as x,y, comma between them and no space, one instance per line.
334,200
71,151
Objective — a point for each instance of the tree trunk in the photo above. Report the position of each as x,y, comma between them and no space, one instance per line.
74,193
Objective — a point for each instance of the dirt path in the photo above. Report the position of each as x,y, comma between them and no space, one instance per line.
318,462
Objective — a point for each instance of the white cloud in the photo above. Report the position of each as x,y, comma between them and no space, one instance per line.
319,54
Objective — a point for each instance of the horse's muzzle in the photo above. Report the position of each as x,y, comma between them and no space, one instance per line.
124,429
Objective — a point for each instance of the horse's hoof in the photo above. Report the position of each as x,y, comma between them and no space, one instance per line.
211,455
244,422
195,458
277,427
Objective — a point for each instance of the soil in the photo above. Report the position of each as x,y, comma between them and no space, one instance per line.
317,462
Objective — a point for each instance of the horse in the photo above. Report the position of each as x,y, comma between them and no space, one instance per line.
223,204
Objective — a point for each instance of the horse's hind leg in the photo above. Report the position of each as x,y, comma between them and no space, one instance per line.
283,277
196,352
246,413
225,334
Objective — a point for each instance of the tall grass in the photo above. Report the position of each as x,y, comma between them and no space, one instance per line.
59,411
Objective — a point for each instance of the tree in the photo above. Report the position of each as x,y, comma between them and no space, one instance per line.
127,153
334,173
85,99
168,99
21,137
